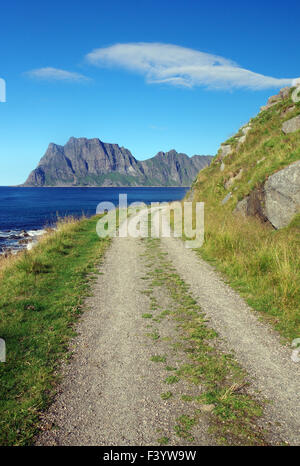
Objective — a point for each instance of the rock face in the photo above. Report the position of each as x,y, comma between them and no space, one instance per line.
253,205
282,195
233,178
240,138
91,162
226,149
274,99
291,125
173,168
278,200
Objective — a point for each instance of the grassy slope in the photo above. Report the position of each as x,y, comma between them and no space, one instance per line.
261,263
41,293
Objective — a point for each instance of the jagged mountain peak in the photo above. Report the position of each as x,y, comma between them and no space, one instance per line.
91,162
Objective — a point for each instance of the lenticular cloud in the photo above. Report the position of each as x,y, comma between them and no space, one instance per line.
180,66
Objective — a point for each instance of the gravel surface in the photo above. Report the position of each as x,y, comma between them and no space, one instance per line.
110,394
256,346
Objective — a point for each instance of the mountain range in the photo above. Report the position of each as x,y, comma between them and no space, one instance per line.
91,162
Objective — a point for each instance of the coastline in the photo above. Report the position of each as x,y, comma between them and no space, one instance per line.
26,212
17,242
102,187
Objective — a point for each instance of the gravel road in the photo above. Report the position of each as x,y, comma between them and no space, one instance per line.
111,390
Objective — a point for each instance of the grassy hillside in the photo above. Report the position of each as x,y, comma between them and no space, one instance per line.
41,292
263,264
266,150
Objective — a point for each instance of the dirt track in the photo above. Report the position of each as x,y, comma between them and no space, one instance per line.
111,391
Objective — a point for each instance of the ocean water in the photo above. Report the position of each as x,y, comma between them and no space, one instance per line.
26,212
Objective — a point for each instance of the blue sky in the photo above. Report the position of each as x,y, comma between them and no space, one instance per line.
148,75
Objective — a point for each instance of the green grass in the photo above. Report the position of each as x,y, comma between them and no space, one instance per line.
154,335
266,150
235,412
171,379
260,263
187,398
158,358
184,427
170,368
166,395
163,440
41,296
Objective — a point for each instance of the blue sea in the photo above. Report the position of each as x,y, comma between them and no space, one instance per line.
26,212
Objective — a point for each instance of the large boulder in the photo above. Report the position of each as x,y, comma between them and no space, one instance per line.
277,201
282,195
292,125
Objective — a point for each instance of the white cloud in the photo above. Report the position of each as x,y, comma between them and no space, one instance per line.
55,74
179,66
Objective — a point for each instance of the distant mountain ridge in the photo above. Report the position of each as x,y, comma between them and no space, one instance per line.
91,162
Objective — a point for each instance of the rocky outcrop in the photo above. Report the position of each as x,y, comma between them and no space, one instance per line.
274,99
282,195
225,150
253,205
91,162
278,200
288,110
234,177
292,125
